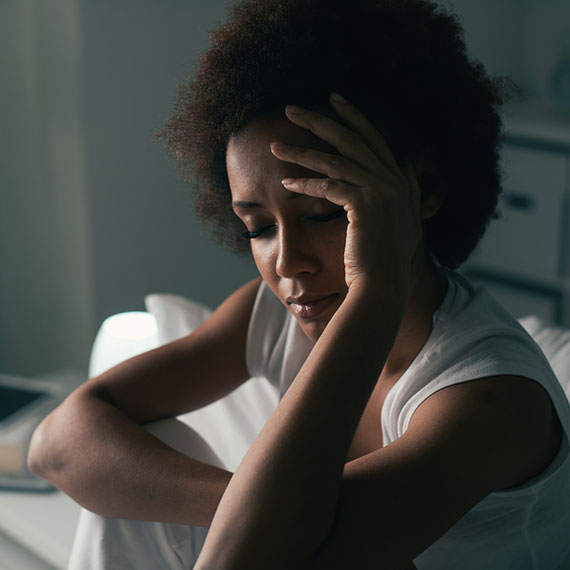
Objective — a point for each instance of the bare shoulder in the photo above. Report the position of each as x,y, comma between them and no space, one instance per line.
501,430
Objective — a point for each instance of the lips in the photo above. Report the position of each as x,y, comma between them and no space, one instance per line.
310,307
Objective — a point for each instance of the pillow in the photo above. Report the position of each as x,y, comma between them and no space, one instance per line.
175,315
230,424
555,343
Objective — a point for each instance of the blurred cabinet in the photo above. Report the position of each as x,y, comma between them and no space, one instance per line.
524,258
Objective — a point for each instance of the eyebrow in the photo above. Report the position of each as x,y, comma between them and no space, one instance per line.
240,204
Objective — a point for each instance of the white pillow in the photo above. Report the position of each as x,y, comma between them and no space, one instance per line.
555,343
176,316
230,424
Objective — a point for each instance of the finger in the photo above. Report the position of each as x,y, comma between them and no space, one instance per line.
332,165
348,143
358,122
335,191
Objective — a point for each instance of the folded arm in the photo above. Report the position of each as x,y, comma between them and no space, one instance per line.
94,446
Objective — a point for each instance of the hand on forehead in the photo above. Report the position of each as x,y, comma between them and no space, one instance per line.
251,146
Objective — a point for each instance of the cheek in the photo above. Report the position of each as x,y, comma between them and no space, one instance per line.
263,256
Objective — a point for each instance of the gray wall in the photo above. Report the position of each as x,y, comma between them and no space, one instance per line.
93,215
495,31
525,39
144,234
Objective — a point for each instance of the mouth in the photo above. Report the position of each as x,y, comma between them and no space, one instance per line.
309,307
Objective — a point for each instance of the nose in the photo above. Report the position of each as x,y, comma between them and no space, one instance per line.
295,254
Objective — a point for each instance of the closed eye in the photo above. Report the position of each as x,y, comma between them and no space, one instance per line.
316,218
255,233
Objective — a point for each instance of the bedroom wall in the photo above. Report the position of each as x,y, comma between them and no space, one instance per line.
495,32
526,39
93,215
144,235
46,294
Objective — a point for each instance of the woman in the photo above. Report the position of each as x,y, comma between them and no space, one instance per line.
419,424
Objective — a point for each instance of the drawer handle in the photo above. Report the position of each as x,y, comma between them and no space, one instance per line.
518,201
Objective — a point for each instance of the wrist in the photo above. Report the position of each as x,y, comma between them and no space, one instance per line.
378,296
373,311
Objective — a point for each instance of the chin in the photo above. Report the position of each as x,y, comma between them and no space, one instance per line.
313,329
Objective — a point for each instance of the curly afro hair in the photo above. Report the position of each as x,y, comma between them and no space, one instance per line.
402,62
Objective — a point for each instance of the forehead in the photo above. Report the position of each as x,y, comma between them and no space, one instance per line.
249,155
266,128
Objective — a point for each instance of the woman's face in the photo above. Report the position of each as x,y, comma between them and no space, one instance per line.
297,241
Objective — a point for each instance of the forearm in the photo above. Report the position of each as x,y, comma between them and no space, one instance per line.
281,503
112,466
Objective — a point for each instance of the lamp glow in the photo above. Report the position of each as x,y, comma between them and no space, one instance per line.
121,337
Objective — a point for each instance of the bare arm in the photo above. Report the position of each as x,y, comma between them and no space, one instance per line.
279,499
93,446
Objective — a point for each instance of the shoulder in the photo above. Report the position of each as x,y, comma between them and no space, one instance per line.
483,396
497,431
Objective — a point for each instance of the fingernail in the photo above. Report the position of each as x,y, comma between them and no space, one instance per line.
279,147
288,181
295,110
337,97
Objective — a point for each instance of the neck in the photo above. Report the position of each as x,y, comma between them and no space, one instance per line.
426,294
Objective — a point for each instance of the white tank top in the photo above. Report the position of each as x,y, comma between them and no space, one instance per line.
473,336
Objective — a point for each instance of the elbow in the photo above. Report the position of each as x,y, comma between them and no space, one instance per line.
42,459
